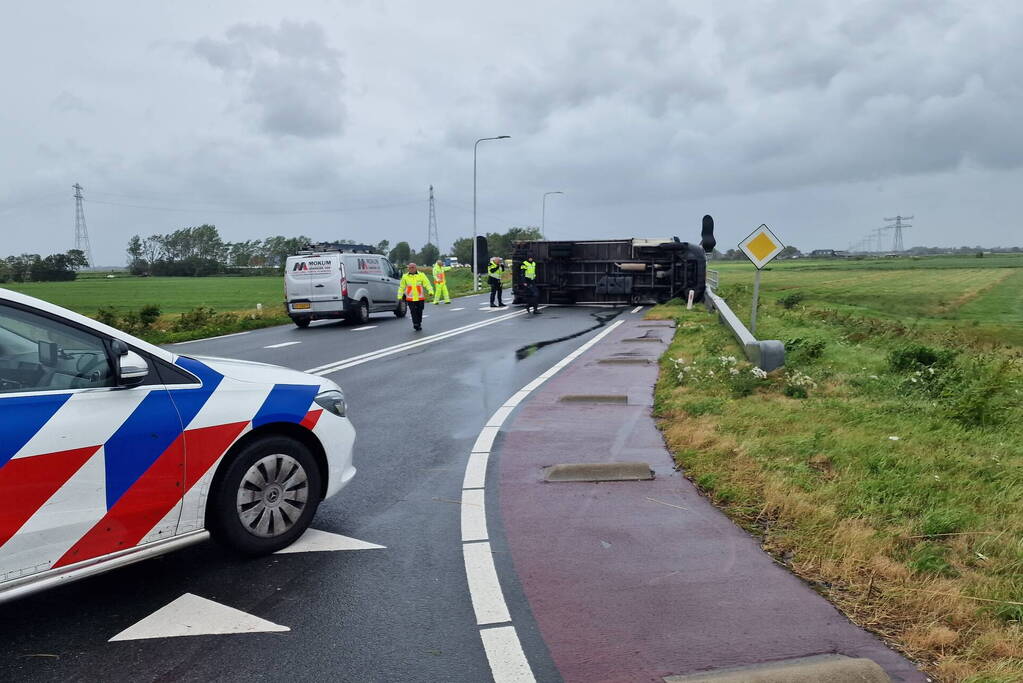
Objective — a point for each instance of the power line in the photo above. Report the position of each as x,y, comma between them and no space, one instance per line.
284,212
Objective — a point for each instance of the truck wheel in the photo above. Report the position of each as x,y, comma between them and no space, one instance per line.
267,497
301,322
401,309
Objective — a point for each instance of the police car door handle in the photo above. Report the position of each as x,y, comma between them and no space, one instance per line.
319,285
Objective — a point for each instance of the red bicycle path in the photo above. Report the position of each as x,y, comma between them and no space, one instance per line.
632,581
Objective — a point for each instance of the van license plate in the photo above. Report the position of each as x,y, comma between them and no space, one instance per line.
299,306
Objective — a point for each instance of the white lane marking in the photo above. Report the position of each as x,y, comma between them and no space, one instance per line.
460,308
499,416
191,615
281,345
515,399
485,441
508,662
364,328
381,353
484,588
223,336
637,309
476,471
504,651
474,516
314,540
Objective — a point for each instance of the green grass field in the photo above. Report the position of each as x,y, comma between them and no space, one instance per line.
884,463
233,301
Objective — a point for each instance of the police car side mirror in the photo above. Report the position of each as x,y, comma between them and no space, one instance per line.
131,367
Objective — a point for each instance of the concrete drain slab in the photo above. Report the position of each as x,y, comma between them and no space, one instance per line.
598,471
620,399
625,361
830,668
644,339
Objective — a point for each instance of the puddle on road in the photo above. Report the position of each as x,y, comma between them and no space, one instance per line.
602,318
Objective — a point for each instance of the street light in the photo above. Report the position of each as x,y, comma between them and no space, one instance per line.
475,276
543,212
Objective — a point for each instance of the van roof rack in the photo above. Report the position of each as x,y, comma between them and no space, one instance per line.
320,247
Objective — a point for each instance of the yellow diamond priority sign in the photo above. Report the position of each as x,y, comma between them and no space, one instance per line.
761,246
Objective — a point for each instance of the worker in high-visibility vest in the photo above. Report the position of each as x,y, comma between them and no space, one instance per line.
494,270
440,281
412,289
528,268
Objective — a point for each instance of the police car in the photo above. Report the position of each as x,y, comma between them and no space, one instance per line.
113,450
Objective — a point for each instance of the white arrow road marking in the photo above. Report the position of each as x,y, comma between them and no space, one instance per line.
282,344
191,615
314,540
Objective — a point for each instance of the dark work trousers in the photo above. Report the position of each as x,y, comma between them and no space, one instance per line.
416,309
532,296
495,289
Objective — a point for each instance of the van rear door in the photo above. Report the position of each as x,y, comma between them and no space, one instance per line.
313,282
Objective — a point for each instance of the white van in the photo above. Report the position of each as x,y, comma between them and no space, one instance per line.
340,281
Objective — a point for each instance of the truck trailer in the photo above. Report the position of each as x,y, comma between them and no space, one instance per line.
621,271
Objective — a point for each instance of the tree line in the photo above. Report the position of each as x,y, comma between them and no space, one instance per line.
200,251
36,268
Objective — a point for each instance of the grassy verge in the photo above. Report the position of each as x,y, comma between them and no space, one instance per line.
884,464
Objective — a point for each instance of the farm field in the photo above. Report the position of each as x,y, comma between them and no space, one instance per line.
982,297
123,293
884,463
172,294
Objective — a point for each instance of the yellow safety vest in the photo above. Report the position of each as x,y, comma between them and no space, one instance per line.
438,274
529,268
494,271
411,287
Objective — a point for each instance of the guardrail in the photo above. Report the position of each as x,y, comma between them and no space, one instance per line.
768,354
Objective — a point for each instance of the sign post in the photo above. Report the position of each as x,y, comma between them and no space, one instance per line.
760,248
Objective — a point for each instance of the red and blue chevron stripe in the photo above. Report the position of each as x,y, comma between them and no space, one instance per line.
145,476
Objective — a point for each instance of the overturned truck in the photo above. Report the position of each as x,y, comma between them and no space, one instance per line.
623,271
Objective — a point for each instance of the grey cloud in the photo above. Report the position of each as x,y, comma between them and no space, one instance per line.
289,75
69,102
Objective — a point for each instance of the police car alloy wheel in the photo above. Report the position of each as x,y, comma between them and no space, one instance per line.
267,498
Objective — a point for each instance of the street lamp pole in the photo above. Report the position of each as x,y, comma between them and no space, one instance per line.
475,275
543,213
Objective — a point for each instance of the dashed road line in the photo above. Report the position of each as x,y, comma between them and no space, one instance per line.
637,309
507,660
460,308
282,345
364,328
398,348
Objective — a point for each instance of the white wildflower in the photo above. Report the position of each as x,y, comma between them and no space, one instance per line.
874,377
758,373
733,371
893,438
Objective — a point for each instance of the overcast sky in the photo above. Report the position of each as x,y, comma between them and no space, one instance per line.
332,119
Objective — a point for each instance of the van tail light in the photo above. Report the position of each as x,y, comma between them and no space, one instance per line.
344,286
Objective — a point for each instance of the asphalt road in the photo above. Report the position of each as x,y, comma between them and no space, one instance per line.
398,613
